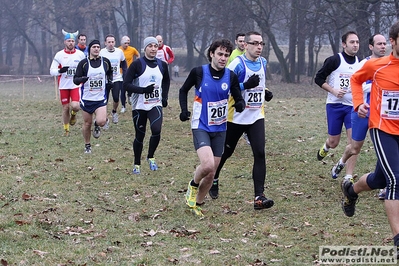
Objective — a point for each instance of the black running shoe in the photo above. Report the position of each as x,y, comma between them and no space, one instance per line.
214,191
348,202
261,202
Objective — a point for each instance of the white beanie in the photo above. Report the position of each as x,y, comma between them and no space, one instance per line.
150,40
125,39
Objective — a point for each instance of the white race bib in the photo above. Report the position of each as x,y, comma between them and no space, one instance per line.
217,112
253,98
390,105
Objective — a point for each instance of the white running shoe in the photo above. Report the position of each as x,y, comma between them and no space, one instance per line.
115,118
106,125
245,136
96,132
123,110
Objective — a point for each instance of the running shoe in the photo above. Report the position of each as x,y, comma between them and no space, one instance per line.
96,131
382,193
66,133
72,120
321,153
197,211
191,196
106,125
136,169
214,191
152,163
336,170
115,118
261,202
245,136
348,202
123,110
87,148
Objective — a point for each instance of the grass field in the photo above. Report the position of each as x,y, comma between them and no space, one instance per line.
59,206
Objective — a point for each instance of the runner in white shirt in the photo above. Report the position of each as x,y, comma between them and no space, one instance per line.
94,73
118,62
148,80
64,67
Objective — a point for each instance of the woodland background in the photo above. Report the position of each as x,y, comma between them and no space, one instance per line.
295,30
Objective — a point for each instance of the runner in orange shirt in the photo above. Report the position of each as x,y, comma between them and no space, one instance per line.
384,131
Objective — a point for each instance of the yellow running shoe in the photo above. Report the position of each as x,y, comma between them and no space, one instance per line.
191,196
321,153
197,211
72,120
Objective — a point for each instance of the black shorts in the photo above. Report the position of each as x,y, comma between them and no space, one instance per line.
215,140
91,106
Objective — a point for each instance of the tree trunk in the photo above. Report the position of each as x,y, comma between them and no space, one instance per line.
293,38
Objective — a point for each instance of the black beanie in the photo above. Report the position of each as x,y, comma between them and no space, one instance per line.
93,42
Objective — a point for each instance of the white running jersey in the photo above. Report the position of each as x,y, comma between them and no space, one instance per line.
71,60
254,98
115,57
147,101
340,78
366,85
94,88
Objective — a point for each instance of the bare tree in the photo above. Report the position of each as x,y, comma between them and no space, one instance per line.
32,28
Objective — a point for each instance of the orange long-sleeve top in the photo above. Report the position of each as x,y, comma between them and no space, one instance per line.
384,97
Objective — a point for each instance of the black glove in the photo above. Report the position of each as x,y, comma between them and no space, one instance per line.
268,95
252,82
239,106
108,86
63,69
164,102
149,88
185,115
84,79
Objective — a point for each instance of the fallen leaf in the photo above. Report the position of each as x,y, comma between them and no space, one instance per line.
156,216
147,244
150,233
40,253
174,261
21,222
134,217
26,196
102,254
214,252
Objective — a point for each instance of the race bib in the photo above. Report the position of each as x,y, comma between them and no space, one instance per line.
217,112
390,105
153,97
96,83
253,98
70,72
344,81
114,70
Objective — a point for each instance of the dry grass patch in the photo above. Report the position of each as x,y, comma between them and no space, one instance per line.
60,206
